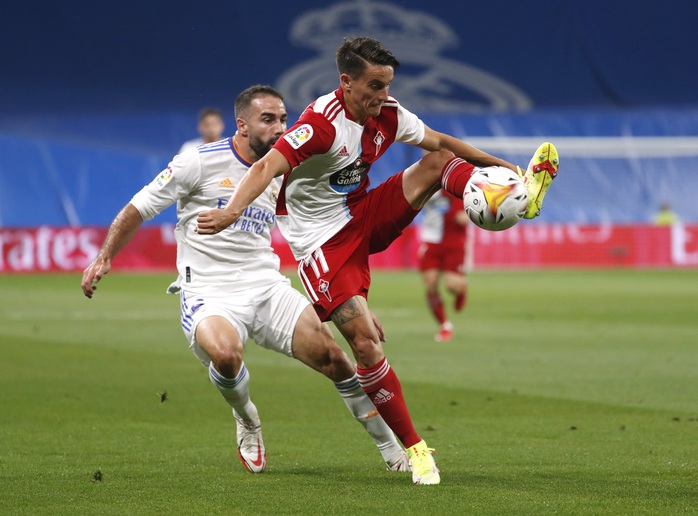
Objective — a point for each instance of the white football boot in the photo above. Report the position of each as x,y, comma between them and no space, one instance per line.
251,449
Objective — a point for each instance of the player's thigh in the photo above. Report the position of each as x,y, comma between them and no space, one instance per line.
277,312
431,280
315,346
422,179
383,214
219,339
213,322
454,281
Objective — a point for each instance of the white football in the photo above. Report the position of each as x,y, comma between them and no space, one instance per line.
495,198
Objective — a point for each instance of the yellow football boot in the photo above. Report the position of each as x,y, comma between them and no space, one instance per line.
541,171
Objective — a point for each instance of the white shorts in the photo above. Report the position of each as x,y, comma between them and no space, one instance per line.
268,315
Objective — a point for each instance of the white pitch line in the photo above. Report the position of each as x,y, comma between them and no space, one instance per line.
86,316
596,147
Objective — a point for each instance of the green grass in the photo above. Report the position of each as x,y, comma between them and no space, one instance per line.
584,401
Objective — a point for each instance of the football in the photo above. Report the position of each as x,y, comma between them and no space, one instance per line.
495,198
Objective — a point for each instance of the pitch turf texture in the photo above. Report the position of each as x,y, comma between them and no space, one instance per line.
562,392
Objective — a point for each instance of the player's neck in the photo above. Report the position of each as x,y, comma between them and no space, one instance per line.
243,149
358,118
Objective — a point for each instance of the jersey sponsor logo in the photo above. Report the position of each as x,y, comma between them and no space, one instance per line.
299,136
343,153
349,178
226,183
255,220
164,177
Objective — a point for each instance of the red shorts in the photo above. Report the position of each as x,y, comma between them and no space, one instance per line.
339,270
442,257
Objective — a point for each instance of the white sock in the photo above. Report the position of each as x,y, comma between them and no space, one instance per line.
364,411
236,392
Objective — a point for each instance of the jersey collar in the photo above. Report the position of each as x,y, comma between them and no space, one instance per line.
234,148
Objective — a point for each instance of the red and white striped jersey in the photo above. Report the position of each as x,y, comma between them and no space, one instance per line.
330,156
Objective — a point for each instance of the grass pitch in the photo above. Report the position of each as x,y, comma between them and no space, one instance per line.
582,401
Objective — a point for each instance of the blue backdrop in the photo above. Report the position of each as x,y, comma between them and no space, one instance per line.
96,97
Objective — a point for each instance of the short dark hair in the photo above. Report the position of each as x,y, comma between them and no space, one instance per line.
210,111
354,54
245,98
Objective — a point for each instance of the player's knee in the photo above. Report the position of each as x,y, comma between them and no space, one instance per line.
338,366
433,162
227,361
367,350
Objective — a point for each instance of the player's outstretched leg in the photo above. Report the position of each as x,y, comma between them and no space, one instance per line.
541,171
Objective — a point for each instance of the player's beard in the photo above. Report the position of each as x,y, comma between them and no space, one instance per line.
261,147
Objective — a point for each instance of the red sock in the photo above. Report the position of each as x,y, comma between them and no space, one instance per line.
455,175
381,385
437,307
461,299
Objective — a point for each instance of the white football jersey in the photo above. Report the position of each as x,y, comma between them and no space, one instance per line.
330,155
201,179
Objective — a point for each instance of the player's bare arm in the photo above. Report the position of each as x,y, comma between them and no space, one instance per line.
435,141
121,231
251,186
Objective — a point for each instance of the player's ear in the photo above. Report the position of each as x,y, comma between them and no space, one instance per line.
345,82
242,126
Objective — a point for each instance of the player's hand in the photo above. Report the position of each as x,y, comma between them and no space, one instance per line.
379,327
91,276
213,221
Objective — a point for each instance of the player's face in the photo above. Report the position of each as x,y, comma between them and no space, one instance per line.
266,123
211,128
366,94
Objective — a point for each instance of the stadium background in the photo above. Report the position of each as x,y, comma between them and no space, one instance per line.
96,98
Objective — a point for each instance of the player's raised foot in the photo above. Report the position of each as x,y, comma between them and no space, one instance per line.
445,333
399,462
251,449
424,470
541,171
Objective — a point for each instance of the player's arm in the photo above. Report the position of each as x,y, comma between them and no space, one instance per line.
251,186
121,231
435,141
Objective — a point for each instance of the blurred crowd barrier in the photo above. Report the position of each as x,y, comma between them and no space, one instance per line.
526,245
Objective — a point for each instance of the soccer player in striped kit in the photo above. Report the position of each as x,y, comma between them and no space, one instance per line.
229,284
332,222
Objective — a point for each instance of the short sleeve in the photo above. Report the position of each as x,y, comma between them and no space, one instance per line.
410,129
312,134
179,178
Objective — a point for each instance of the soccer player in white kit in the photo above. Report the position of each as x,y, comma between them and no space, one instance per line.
210,127
333,222
229,284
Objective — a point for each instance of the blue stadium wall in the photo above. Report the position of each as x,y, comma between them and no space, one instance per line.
95,98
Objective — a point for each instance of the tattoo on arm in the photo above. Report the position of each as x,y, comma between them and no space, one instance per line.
347,311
